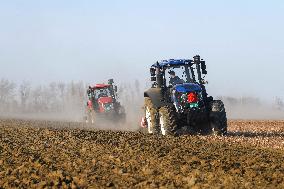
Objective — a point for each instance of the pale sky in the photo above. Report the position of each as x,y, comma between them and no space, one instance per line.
63,40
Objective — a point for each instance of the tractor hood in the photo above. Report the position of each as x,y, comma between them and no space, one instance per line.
187,87
105,100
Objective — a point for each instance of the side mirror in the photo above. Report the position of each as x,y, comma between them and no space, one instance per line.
110,81
153,78
204,82
203,67
153,71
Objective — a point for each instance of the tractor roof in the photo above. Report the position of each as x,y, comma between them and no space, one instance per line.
100,86
172,62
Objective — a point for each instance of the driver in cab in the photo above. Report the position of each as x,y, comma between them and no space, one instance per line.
174,80
103,93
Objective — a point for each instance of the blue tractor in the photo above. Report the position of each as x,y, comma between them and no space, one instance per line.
178,102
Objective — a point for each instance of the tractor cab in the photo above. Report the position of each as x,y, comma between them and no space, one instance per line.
178,99
103,102
101,90
184,70
102,96
176,78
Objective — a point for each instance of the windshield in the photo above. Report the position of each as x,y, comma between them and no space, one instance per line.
104,92
178,75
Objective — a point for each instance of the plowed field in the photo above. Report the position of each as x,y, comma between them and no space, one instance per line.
39,154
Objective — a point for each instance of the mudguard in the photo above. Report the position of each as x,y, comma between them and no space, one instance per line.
155,94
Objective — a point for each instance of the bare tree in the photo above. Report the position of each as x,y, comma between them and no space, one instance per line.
37,103
279,103
61,86
25,90
7,92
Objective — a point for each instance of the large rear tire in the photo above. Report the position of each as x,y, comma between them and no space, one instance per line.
218,118
168,121
151,117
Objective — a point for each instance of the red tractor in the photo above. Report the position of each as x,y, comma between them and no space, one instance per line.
103,103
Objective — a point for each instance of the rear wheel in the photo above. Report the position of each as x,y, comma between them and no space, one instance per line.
218,118
151,117
168,121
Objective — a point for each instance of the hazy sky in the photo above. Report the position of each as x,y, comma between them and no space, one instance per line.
63,40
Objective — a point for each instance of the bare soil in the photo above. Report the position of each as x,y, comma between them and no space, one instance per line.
43,154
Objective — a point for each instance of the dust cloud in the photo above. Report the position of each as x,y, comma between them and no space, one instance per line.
253,108
58,101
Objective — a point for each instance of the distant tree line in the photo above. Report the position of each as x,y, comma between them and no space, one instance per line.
62,97
250,101
56,96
